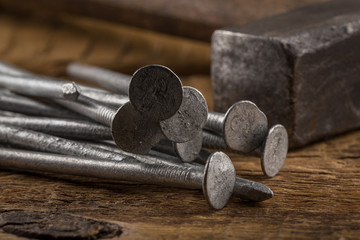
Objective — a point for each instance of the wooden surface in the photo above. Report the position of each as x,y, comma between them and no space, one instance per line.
196,20
316,194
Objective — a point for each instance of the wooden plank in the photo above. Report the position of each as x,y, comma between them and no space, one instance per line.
303,72
48,46
193,19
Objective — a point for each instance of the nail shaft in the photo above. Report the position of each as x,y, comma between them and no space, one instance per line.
154,90
73,129
243,126
244,189
16,103
35,86
88,107
128,169
272,152
111,80
94,93
217,179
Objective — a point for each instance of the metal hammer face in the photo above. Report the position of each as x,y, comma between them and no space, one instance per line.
301,68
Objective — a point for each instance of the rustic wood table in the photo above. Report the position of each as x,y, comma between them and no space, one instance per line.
316,194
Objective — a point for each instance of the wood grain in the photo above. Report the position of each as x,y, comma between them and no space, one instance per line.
316,196
193,19
48,46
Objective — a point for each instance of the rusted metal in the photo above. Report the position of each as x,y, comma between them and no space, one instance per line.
301,68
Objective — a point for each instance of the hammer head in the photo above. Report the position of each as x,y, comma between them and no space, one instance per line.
301,68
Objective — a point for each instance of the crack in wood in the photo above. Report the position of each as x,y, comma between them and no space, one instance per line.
48,225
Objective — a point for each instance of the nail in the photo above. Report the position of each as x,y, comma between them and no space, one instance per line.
113,81
216,181
189,120
105,97
129,129
94,93
15,103
181,127
244,189
154,90
243,126
73,129
189,151
10,114
272,152
153,156
35,86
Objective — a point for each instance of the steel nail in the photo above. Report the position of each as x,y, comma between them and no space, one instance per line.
244,189
217,179
129,129
154,90
189,120
16,103
183,126
94,93
272,152
35,86
243,126
73,129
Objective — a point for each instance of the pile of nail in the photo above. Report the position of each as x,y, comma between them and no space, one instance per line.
146,128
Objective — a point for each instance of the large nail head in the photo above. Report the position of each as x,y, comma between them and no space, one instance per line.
245,127
132,132
275,150
219,180
189,120
156,92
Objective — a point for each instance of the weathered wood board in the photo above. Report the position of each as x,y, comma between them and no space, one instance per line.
316,196
192,19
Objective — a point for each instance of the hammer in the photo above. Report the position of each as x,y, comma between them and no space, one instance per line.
301,68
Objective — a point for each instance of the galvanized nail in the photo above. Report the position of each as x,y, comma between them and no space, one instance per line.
272,152
217,180
15,103
243,126
154,90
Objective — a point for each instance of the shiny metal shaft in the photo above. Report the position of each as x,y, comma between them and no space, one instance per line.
244,189
37,141
111,80
91,108
15,103
128,169
39,87
215,122
214,141
104,97
73,129
91,92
